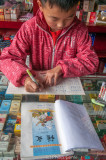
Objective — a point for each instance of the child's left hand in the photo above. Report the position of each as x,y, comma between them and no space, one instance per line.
53,75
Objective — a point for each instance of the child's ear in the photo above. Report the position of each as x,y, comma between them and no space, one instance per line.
40,5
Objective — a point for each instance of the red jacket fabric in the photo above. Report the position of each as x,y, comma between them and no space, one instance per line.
72,51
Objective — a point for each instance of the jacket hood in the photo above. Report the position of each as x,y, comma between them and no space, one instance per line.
40,20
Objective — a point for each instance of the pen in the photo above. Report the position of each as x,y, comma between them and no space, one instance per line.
32,77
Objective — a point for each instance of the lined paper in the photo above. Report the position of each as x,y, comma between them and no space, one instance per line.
67,86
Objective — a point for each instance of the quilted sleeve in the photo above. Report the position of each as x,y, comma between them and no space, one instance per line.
86,60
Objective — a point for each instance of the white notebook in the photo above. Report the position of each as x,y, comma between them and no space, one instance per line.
67,86
49,129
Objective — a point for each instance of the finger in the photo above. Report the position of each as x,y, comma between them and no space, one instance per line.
46,82
41,86
34,86
51,79
30,89
55,79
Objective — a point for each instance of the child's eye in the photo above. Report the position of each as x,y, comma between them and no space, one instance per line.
70,17
54,19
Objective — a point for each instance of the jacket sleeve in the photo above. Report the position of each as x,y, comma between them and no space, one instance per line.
86,60
13,58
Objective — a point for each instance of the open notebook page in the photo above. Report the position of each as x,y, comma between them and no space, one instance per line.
75,127
68,86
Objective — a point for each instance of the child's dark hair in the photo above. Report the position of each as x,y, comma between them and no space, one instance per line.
63,4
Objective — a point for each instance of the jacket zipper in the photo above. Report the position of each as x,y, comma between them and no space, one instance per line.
53,53
53,57
50,36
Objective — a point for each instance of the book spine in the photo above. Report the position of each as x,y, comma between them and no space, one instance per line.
77,14
84,16
88,17
101,7
81,5
91,5
80,15
92,17
86,5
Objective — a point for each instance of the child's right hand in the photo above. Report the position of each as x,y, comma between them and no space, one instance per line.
31,86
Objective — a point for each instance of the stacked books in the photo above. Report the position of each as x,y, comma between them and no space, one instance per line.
86,12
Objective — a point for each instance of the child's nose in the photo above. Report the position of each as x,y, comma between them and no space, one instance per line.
61,24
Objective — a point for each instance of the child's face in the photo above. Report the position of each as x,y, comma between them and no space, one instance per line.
56,18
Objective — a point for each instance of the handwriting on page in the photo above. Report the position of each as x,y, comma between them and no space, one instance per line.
67,86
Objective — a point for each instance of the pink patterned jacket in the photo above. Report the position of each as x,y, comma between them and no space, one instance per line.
72,51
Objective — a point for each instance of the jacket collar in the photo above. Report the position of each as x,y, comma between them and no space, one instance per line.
40,20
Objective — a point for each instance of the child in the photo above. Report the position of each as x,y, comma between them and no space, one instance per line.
57,42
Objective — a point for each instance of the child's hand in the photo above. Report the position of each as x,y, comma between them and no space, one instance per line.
53,75
31,86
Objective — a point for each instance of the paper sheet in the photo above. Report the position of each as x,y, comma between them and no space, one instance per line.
68,86
75,130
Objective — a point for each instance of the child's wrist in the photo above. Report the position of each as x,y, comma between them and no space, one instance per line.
59,70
